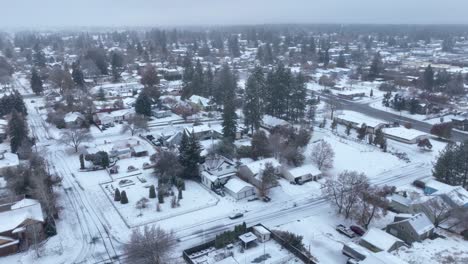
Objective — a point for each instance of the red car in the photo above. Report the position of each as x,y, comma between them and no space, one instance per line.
358,230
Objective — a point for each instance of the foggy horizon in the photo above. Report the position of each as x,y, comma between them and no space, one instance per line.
145,13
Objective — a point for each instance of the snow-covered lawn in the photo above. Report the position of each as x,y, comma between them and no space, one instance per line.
319,233
194,198
452,249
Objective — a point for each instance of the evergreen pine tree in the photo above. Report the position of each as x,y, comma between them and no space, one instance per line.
101,94
77,75
82,164
123,198
36,82
117,196
376,67
253,105
362,131
17,130
428,79
152,192
190,157
143,105
160,196
341,62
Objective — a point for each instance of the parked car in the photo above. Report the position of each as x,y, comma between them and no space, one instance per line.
236,215
345,231
358,230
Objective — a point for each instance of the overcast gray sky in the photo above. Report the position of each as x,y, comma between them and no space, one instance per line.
38,13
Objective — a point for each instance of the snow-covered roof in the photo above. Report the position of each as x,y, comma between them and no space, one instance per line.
261,230
196,99
19,212
248,237
380,239
304,170
122,112
458,195
139,148
400,199
236,185
258,166
382,257
272,121
404,133
72,117
440,187
359,118
8,160
420,223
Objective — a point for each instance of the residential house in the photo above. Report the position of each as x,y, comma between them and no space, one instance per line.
460,122
21,223
400,203
302,174
269,122
139,151
404,135
377,240
252,172
204,132
411,228
216,171
74,119
201,102
356,120
161,113
3,126
103,119
239,189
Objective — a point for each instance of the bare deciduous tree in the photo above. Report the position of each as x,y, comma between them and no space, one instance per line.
323,155
135,124
74,137
150,245
437,210
344,190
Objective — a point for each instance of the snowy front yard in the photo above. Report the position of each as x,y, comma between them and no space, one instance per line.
194,198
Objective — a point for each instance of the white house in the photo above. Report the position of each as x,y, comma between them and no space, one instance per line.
269,122
405,135
216,171
202,102
73,118
239,189
356,120
302,174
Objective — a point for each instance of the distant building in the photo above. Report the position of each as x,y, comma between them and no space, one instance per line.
460,122
350,94
404,135
356,120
